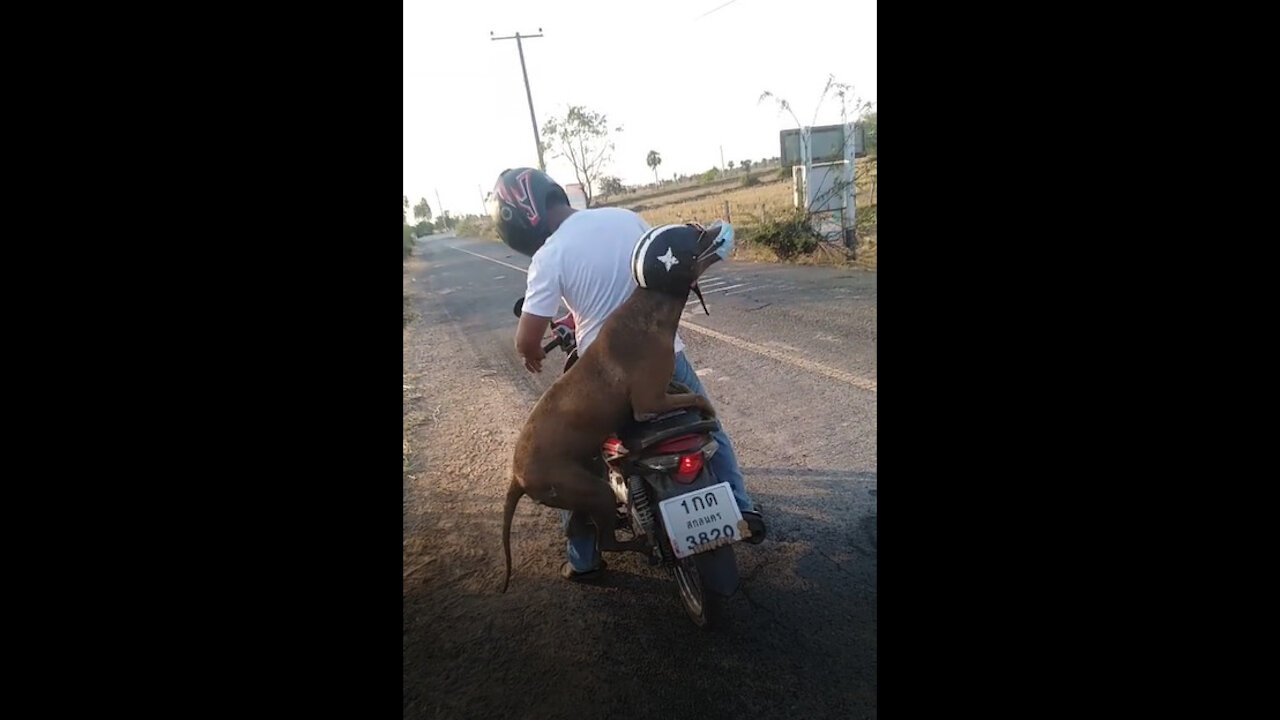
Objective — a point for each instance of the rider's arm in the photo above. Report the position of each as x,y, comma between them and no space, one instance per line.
529,340
541,299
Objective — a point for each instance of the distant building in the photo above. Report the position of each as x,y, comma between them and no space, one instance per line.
577,198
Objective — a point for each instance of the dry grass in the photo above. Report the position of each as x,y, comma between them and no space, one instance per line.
671,191
706,203
867,252
746,205
769,197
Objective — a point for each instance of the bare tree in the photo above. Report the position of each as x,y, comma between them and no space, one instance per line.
849,101
582,137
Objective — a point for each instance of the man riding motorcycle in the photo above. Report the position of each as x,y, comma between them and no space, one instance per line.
583,258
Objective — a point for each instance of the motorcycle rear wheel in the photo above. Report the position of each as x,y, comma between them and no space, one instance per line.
705,607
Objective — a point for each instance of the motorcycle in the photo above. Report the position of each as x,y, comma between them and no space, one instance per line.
667,494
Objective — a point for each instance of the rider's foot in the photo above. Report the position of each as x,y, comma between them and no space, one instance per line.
568,573
755,523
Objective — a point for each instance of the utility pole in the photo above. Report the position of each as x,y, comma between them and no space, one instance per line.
483,210
722,157
533,118
440,207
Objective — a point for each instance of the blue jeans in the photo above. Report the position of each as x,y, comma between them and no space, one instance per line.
583,555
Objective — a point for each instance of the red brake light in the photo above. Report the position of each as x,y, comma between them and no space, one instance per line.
688,468
691,463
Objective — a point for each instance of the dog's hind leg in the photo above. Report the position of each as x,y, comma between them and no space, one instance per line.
577,488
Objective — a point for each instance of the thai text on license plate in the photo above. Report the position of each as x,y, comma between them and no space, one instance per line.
702,520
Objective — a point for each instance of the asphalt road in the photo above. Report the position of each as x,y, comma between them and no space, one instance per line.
788,356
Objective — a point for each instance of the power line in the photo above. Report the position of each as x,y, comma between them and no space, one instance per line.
715,9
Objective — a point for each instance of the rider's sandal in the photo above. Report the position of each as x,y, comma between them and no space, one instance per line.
568,573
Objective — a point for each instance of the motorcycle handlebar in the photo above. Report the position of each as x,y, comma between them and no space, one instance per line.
558,340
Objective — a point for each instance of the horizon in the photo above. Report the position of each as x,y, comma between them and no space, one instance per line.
460,85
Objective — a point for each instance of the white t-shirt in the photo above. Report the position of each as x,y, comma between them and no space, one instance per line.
586,263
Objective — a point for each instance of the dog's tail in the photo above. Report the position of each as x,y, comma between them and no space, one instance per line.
508,511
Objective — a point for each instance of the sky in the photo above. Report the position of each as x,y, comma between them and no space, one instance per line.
683,77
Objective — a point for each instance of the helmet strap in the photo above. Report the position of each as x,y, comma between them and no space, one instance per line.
721,237
698,292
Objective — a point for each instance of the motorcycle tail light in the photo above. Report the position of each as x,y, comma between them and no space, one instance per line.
688,468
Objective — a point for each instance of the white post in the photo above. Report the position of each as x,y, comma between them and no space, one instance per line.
850,213
807,157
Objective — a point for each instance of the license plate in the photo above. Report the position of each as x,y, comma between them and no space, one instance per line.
702,520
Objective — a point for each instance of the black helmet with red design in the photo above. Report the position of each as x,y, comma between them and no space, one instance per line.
519,206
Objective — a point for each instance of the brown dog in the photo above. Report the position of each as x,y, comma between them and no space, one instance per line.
623,376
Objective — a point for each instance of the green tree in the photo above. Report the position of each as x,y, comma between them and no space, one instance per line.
581,137
404,215
610,185
422,211
653,160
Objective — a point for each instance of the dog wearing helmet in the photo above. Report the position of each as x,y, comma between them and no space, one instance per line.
622,377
